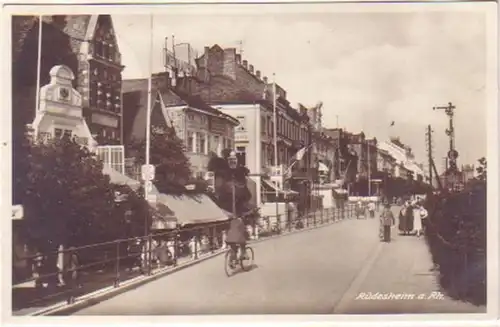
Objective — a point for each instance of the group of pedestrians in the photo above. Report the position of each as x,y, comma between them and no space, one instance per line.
412,220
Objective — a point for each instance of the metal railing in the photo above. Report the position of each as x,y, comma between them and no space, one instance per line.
67,275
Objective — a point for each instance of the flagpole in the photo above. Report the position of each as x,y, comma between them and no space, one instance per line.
275,139
39,64
148,116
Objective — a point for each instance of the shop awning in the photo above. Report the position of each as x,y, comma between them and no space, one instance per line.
193,209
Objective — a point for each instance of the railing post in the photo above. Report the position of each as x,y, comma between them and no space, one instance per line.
72,291
175,255
322,214
195,237
117,265
307,218
314,218
212,239
278,223
149,247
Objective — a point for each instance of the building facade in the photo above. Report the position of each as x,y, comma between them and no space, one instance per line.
405,165
203,129
87,45
324,146
233,86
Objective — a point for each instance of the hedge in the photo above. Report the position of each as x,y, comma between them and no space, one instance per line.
456,236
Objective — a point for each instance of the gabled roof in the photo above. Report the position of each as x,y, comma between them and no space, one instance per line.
135,105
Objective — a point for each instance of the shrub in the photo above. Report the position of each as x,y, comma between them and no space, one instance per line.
456,236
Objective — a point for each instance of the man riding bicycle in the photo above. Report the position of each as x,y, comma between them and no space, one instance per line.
237,235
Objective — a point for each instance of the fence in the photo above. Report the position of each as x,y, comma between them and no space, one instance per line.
67,274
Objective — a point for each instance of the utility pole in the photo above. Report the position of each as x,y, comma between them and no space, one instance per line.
369,169
428,135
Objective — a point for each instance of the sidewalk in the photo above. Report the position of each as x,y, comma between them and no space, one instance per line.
400,272
103,283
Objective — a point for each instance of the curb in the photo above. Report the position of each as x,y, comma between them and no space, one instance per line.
104,294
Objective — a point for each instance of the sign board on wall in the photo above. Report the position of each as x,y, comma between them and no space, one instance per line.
148,172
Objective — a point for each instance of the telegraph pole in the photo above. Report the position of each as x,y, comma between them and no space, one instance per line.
428,135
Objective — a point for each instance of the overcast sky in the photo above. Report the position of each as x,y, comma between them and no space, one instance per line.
367,68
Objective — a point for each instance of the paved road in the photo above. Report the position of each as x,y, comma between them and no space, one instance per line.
320,271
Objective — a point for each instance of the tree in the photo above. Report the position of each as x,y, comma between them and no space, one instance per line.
225,178
66,197
482,169
173,170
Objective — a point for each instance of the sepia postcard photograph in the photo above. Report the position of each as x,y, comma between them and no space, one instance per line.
198,161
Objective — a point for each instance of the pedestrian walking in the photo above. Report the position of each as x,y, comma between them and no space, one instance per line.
417,226
387,220
371,209
421,215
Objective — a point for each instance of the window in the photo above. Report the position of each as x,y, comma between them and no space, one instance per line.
67,133
241,154
105,50
242,126
58,133
263,126
191,117
198,143
190,142
93,93
203,119
202,143
216,143
98,48
112,156
209,143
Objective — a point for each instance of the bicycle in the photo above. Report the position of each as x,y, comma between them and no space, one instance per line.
230,266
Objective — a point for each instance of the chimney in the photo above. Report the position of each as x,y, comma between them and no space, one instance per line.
245,64
229,63
264,79
238,59
161,80
250,68
257,73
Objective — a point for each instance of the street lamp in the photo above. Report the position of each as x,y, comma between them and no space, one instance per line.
232,160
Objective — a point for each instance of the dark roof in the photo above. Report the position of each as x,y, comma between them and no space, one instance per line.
75,26
135,105
132,105
139,84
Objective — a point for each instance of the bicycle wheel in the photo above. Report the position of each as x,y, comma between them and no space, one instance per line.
247,263
227,264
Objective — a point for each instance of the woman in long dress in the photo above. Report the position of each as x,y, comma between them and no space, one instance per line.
417,219
402,220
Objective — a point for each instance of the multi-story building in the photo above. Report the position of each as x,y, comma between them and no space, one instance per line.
234,87
405,160
87,45
203,129
323,145
385,162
